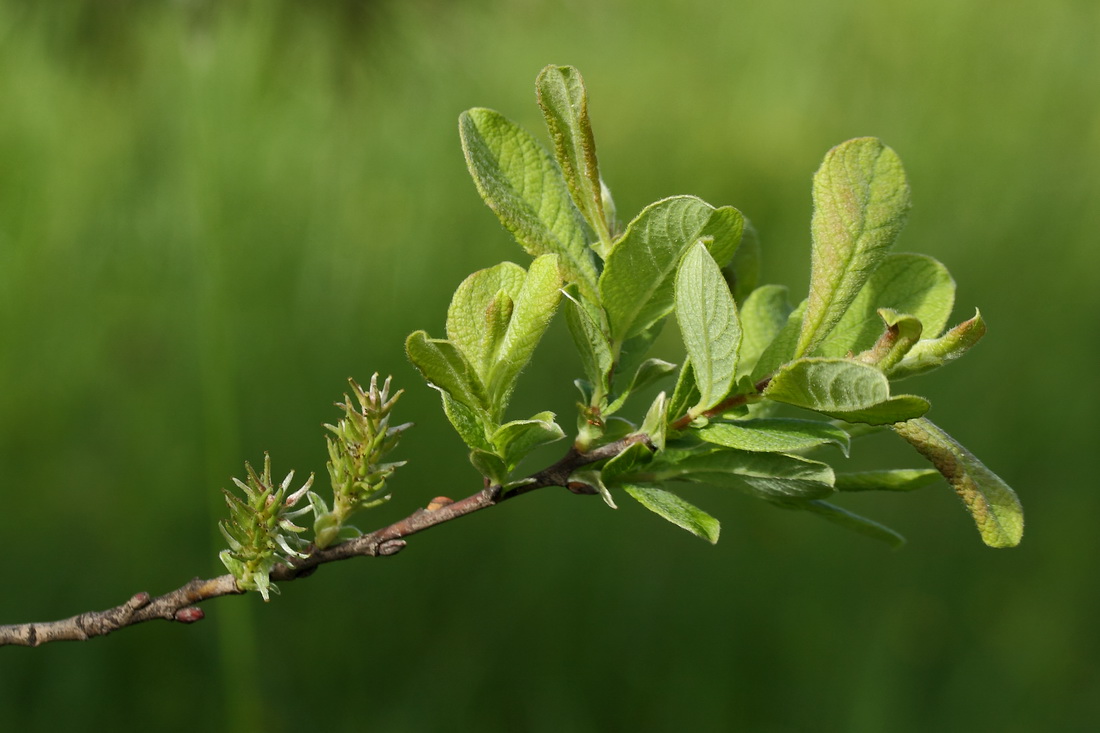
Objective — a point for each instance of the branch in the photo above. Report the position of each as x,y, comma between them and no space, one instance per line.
181,604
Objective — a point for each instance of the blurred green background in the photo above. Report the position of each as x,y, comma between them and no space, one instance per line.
212,214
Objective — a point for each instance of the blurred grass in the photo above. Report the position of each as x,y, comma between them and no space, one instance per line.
212,214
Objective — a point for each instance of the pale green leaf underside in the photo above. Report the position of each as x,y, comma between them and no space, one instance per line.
445,368
764,313
775,435
896,409
913,284
861,200
590,338
991,502
828,385
676,510
709,325
534,307
472,324
522,184
781,349
516,439
636,286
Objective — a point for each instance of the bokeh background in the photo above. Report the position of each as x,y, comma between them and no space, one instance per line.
213,213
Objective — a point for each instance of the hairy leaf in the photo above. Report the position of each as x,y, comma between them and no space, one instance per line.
708,324
743,271
766,475
901,334
929,354
913,284
991,502
521,183
478,315
446,369
781,349
589,334
534,307
564,103
828,385
764,313
636,286
861,201
514,440
676,510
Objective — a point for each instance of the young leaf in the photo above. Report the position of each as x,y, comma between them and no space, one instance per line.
589,333
781,349
655,424
534,307
708,324
914,284
828,385
631,356
991,502
446,369
649,372
516,439
685,394
636,286
901,334
628,462
490,465
929,354
564,103
480,311
676,510
521,183
898,479
743,271
468,423
775,435
861,200
763,314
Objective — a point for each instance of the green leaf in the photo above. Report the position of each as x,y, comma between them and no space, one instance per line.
446,369
534,307
564,103
636,286
929,354
743,271
632,354
469,424
991,502
627,462
852,521
901,334
685,394
896,409
655,424
676,510
775,435
828,385
913,284
521,183
766,475
480,311
861,201
490,465
648,373
514,440
708,324
898,479
781,349
589,334
764,313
